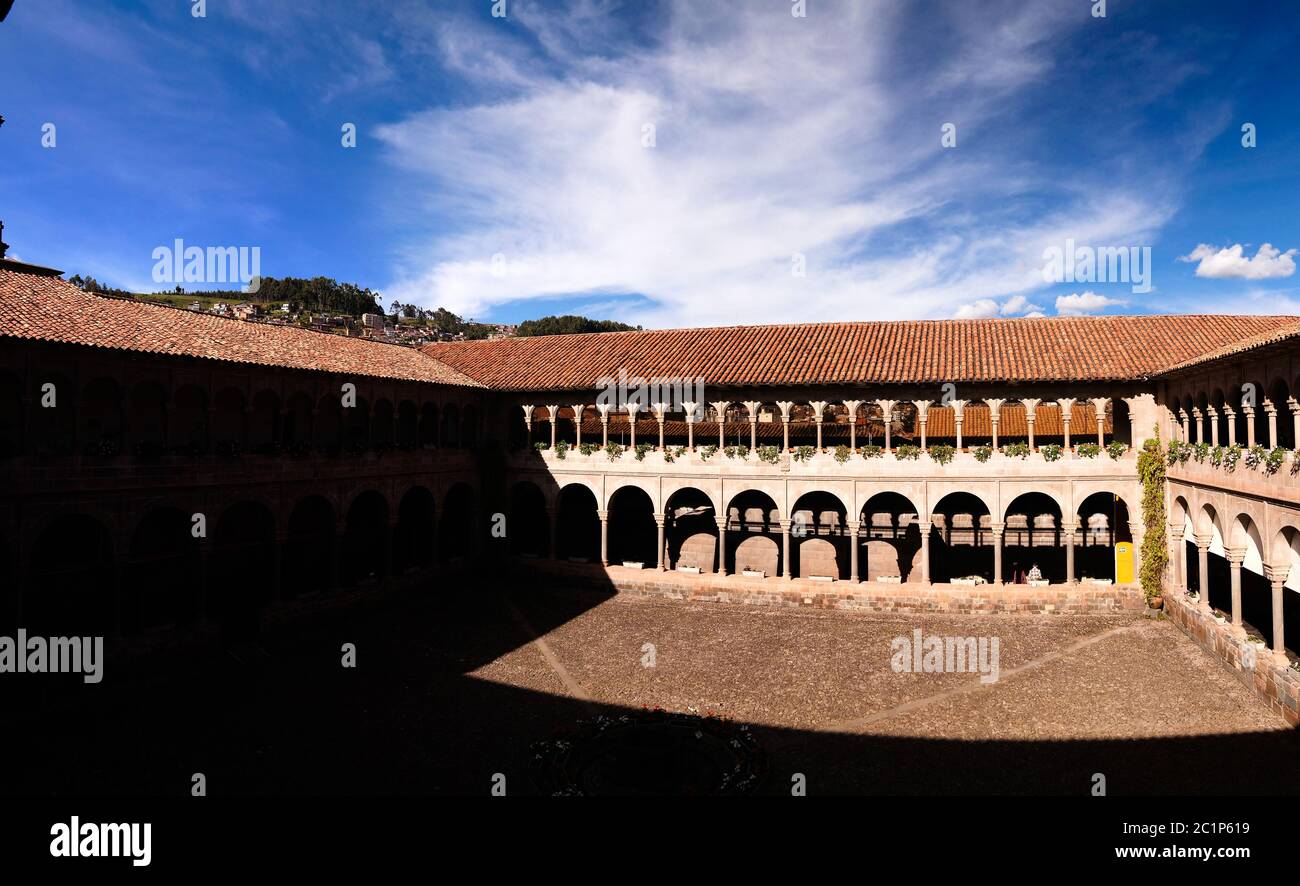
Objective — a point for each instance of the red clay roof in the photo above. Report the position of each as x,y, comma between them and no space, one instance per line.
1263,339
50,309
1105,348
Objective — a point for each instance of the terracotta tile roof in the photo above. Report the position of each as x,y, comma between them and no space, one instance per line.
1260,340
50,309
1105,348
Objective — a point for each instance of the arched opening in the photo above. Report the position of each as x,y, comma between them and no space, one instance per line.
407,426
357,421
188,421
70,580
1256,592
228,422
450,427
297,423
517,433
565,428
691,530
1286,551
1121,423
264,423
1103,523
413,541
1280,394
382,427
961,545
633,533
242,569
891,539
753,534
1033,548
469,428
428,425
364,541
578,535
327,425
456,528
11,416
309,549
101,418
528,527
54,415
8,590
819,544
158,587
147,420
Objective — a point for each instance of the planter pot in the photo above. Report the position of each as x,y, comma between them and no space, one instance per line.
968,582
890,579
1039,583
820,578
693,570
1219,620
1099,581
753,573
633,564
1158,602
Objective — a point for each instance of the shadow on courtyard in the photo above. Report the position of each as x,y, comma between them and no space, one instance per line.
414,719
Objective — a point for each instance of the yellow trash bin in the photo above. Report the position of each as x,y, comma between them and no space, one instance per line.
1124,563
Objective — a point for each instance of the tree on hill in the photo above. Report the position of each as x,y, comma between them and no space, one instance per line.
571,325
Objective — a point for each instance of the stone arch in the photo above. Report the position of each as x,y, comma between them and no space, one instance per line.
528,525
188,431
632,532
101,417
457,529
647,485
469,424
1104,520
962,544
365,546
297,431
147,418
327,430
408,425
242,564
819,540
428,425
754,532
450,426
264,422
383,424
69,586
308,555
228,421
891,537
691,529
163,556
1033,537
578,534
413,536
356,425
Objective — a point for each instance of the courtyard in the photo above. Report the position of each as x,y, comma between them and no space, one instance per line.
456,685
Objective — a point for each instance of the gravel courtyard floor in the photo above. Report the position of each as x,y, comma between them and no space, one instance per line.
453,688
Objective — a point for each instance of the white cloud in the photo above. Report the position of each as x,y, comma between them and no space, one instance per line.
1018,304
1268,262
979,310
774,137
1081,303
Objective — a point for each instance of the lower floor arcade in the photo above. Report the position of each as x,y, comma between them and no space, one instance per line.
960,540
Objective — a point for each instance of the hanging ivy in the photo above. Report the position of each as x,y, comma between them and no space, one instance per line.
1155,553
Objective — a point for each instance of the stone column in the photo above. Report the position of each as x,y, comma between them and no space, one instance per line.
528,422
926,528
853,550
1294,406
852,407
1250,425
1235,556
1203,565
922,413
752,407
1213,415
1031,415
659,522
604,537
1099,413
1184,420
1230,418
722,545
998,531
819,415
1179,558
603,408
785,550
577,424
886,414
1066,406
1270,409
1068,529
690,425
721,409
785,406
632,410
1200,423
554,412
1277,582
958,409
995,416
660,409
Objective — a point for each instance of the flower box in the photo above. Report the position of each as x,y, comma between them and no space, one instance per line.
969,582
753,573
890,579
821,578
693,570
633,564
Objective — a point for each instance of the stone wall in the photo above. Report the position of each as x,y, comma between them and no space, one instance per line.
1275,683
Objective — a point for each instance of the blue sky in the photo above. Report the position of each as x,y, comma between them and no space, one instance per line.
505,168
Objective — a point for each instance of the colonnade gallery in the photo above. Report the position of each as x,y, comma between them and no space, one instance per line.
169,471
